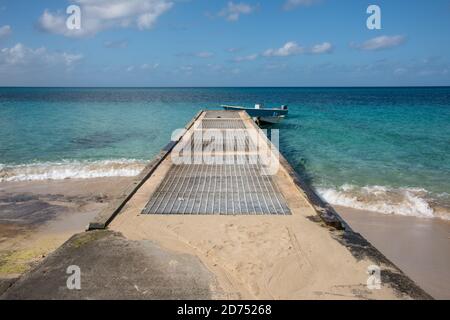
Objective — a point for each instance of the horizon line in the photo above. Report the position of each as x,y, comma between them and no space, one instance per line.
212,87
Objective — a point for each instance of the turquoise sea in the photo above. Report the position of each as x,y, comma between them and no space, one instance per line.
383,149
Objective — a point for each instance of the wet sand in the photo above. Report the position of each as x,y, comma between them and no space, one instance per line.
419,247
37,217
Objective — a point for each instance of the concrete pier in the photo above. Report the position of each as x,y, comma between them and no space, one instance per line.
219,213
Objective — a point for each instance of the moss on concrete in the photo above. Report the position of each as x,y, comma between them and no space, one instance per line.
18,261
86,237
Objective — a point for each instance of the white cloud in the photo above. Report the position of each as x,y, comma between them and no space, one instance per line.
186,69
20,55
325,47
291,4
5,31
233,50
147,66
53,23
204,54
98,15
200,54
250,57
382,42
400,71
16,55
142,67
70,59
289,49
233,11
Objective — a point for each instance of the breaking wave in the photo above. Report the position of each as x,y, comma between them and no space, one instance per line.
71,170
415,202
400,201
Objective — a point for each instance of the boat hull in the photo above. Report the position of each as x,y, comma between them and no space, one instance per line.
271,120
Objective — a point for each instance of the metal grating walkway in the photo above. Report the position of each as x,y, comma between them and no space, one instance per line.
237,185
218,114
217,189
222,124
219,140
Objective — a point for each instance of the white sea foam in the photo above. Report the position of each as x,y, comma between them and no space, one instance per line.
382,199
71,170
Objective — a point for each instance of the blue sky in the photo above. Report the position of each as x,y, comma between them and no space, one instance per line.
224,43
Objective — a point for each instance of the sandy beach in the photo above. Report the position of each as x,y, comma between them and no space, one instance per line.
419,247
36,217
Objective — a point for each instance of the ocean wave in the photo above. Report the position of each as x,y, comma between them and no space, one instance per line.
71,170
415,202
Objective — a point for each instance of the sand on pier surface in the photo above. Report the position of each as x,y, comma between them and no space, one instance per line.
262,256
36,217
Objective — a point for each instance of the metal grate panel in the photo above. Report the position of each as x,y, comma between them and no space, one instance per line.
223,174
217,114
219,140
222,124
217,189
219,170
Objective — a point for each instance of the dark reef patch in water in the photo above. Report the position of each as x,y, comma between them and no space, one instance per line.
96,140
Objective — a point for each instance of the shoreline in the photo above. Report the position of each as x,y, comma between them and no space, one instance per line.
404,201
418,246
79,200
36,217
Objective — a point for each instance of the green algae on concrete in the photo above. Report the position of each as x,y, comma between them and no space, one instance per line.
113,267
83,239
